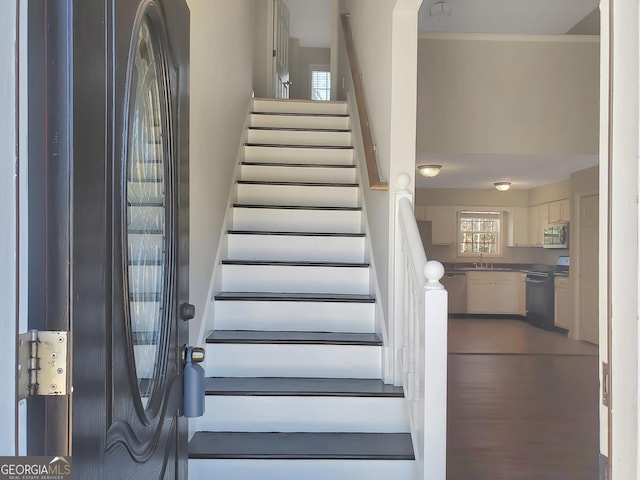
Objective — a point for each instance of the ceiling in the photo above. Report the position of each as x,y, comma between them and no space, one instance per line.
311,23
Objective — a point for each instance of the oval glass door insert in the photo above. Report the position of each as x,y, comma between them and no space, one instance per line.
147,241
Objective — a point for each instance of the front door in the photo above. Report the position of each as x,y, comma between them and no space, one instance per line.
129,238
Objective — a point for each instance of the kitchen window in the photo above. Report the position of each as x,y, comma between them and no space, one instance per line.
479,233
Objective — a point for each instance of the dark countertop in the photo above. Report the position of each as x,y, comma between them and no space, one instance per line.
463,267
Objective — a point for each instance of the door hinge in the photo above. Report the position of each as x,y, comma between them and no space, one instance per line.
605,384
274,54
44,363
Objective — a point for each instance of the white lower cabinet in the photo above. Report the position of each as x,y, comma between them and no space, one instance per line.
563,303
456,285
495,292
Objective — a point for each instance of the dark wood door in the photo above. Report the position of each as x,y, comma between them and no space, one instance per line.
129,261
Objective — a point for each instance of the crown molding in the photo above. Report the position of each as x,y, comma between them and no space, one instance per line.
509,37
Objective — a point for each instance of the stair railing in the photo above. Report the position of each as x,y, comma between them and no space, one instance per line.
420,339
371,161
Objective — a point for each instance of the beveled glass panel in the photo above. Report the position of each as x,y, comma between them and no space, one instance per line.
146,211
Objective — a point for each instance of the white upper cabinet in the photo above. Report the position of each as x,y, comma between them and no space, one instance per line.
560,211
443,224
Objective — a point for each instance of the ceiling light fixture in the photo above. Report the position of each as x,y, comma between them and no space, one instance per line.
502,186
440,9
429,170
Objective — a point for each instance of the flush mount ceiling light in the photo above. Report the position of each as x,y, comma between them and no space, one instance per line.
429,170
502,186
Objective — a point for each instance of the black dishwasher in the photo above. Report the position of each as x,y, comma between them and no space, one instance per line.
540,300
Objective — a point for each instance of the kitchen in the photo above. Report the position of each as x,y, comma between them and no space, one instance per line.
482,282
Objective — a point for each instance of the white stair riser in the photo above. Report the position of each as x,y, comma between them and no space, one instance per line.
273,360
302,469
295,279
296,137
298,195
298,174
145,218
337,156
288,220
300,121
145,357
291,247
299,106
303,414
295,316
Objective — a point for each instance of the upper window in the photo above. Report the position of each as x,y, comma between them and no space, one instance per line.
479,233
320,85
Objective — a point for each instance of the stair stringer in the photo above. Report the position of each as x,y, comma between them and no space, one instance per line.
208,315
381,306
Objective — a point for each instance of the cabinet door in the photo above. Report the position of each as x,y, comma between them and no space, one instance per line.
456,285
565,210
563,303
443,224
493,292
555,212
538,218
518,218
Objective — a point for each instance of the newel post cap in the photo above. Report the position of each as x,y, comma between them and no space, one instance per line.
402,181
433,272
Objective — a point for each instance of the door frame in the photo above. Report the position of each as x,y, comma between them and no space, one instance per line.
9,218
619,186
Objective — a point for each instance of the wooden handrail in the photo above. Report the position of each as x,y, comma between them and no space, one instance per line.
369,151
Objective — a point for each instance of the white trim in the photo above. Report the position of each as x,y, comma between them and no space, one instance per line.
625,85
508,37
335,48
9,222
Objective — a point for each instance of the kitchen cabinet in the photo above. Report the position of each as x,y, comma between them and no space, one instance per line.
443,224
522,295
456,285
494,292
518,227
563,303
538,218
560,211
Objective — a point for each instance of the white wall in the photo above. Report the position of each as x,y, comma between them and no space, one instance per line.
222,42
385,37
511,94
8,220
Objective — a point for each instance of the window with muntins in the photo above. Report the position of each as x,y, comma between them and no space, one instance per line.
479,233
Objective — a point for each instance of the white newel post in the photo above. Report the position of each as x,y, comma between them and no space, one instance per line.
435,373
399,296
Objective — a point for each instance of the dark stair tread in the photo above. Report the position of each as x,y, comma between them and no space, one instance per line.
294,338
288,263
296,207
296,184
304,165
301,445
301,387
295,297
286,145
302,114
294,234
302,129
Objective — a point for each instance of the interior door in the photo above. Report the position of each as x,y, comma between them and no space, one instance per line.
281,48
129,279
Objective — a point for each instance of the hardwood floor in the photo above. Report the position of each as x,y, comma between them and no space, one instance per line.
523,403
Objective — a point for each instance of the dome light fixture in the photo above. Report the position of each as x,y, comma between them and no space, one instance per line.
502,186
428,170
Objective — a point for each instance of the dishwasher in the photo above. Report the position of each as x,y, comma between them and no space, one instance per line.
540,299
456,285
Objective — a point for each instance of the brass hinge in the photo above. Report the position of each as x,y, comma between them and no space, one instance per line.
44,364
605,384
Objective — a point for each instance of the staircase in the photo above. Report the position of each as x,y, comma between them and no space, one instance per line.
294,366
